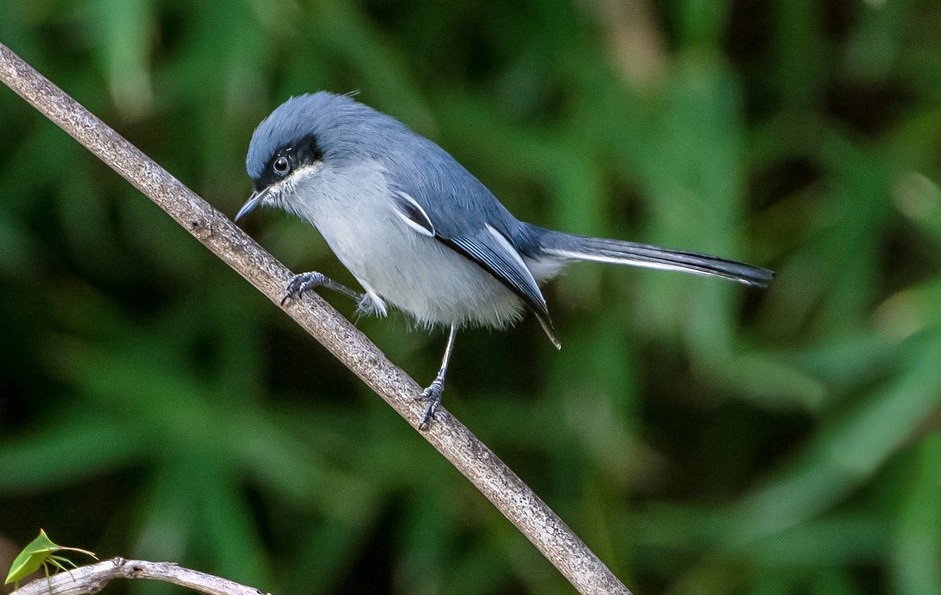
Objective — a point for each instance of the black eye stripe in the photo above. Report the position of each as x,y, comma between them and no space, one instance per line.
306,150
287,158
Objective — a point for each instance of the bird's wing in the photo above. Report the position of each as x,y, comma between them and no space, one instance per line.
484,244
494,253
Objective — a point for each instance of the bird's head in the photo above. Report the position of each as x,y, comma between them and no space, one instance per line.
300,137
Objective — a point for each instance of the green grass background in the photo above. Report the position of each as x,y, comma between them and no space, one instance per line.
700,437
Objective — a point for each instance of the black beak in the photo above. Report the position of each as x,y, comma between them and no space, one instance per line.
253,202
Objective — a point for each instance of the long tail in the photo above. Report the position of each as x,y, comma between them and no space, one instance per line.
566,247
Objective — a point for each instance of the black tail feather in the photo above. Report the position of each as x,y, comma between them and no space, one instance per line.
572,247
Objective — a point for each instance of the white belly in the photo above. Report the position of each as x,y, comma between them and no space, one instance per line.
393,262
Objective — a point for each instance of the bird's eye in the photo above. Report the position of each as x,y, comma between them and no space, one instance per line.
281,166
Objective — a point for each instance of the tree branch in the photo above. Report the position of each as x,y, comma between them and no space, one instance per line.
94,577
471,457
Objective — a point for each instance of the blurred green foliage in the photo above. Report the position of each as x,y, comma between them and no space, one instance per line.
700,437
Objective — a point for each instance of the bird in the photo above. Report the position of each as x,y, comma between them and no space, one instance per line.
417,230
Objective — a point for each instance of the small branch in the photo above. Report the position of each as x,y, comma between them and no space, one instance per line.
94,577
471,457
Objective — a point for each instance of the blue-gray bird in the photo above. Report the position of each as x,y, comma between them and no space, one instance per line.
417,230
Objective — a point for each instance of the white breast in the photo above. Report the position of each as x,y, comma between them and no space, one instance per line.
412,271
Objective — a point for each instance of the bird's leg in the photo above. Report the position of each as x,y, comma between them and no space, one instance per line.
434,390
307,281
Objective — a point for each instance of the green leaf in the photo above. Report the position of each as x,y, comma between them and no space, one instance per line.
39,553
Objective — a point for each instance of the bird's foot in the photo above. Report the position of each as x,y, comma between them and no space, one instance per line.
433,395
307,281
301,283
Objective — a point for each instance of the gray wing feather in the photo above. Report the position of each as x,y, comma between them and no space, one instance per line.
412,213
507,268
458,208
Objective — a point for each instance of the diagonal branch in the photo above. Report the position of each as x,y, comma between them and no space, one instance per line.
471,457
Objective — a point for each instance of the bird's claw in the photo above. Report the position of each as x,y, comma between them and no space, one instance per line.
301,283
433,395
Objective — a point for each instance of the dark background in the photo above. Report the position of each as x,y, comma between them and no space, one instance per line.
699,436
